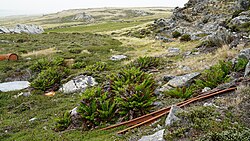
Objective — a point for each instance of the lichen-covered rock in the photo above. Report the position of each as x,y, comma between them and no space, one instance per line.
171,118
29,29
244,54
158,136
247,70
78,84
4,30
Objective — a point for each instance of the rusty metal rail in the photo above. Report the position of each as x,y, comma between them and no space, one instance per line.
151,117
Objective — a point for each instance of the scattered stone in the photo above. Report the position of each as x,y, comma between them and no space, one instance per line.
168,78
33,119
158,136
185,68
171,118
210,105
118,57
76,119
78,84
206,89
247,70
174,50
245,54
180,81
187,53
25,94
4,41
164,39
14,86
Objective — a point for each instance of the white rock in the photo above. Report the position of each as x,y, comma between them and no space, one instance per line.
206,89
78,84
171,118
33,119
158,136
14,86
118,57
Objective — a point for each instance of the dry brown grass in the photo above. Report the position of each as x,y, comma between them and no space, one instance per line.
40,52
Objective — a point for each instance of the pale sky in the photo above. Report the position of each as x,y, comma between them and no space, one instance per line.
9,7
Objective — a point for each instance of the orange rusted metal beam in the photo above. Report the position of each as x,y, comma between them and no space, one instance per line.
151,117
11,56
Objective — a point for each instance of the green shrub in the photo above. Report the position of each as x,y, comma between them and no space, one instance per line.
183,92
241,64
228,135
97,107
215,75
207,44
185,38
134,91
79,65
63,123
49,78
44,63
97,67
176,34
145,63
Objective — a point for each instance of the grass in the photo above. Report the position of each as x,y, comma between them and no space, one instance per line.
102,27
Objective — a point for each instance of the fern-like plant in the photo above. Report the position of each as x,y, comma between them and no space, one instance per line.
63,122
183,92
146,63
134,92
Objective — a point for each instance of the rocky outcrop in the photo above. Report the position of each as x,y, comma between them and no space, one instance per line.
14,86
171,118
78,84
82,17
200,18
23,28
247,71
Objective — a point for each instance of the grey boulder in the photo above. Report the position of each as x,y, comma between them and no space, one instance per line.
158,136
29,29
245,54
78,84
247,71
171,118
4,30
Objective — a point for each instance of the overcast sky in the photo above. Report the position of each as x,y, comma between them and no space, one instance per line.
9,7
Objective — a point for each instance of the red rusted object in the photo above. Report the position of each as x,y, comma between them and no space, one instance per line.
11,57
151,117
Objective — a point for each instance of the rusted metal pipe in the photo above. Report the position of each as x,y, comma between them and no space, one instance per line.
11,57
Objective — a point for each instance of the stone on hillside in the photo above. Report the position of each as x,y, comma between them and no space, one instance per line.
14,86
180,81
174,50
247,71
158,136
76,119
240,20
4,30
221,36
245,54
118,57
168,77
171,118
29,29
206,89
78,84
83,16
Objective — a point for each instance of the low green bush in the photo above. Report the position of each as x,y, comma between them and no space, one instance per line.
214,76
97,67
79,65
49,78
183,92
134,90
176,34
145,63
63,122
44,63
185,38
97,107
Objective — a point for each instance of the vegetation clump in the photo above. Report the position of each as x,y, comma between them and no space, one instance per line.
184,92
146,63
176,34
130,94
185,38
63,122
